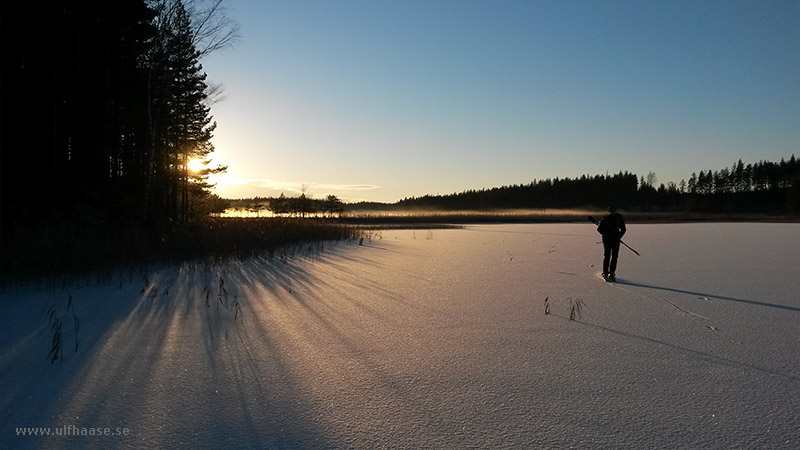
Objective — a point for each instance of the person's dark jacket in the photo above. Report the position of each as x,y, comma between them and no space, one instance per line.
612,227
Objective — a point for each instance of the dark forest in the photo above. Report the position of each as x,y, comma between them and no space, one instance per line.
756,188
104,104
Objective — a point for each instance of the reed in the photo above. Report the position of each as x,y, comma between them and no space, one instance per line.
56,249
575,308
55,323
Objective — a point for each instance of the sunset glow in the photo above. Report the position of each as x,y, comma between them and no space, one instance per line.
196,165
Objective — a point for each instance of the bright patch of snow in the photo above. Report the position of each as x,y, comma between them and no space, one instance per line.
424,339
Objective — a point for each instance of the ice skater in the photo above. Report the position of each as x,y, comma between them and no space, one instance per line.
612,228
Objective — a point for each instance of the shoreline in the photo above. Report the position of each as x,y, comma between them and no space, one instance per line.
444,219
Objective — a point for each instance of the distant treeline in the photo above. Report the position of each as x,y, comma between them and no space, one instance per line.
762,187
301,206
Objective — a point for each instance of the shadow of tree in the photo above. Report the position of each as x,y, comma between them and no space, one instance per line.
194,357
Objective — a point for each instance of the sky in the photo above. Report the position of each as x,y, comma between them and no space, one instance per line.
383,100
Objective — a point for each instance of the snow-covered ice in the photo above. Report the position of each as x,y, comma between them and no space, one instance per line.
424,338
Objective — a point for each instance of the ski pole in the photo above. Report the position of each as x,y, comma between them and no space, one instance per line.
621,241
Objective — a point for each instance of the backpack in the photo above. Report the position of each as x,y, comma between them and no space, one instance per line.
608,226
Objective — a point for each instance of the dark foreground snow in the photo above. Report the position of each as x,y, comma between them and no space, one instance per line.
424,339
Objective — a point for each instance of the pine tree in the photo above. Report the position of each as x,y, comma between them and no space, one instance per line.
181,126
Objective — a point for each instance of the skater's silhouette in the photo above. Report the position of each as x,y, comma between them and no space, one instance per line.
612,228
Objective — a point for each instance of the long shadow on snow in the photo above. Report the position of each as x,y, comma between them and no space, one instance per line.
700,294
36,392
182,366
176,364
326,318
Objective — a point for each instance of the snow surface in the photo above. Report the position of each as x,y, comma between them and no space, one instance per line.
425,339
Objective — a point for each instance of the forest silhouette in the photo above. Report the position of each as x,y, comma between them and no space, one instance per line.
104,105
763,187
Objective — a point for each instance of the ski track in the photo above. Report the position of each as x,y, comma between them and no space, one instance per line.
451,341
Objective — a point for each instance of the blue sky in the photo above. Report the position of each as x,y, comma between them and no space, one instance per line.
381,100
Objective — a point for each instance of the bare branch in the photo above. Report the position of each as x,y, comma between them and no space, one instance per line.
215,93
213,28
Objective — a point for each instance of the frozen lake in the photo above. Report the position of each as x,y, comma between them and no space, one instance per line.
424,339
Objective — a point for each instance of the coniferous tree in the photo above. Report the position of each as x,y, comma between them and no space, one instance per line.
180,123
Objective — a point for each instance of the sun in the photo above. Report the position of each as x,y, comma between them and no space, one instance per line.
196,165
